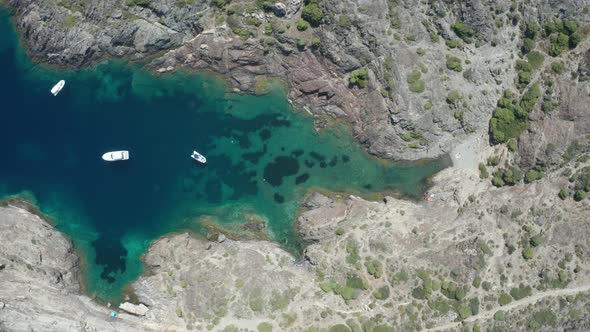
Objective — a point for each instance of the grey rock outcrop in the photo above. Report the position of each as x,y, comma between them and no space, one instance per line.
40,280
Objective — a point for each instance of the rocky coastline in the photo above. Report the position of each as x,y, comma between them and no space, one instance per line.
500,251
364,258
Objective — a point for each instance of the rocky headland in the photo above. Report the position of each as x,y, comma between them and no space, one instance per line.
499,244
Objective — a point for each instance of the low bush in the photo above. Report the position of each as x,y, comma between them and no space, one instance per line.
520,292
464,31
302,25
416,84
454,44
312,13
217,3
483,171
579,195
504,299
359,77
532,176
454,63
557,67
500,315
528,253
535,59
563,194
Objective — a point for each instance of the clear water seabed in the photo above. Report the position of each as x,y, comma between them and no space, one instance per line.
262,158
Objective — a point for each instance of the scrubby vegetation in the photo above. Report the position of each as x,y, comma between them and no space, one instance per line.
147,2
416,84
510,119
359,77
464,31
454,63
312,13
562,35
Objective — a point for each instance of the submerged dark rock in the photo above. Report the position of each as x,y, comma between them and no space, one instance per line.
280,167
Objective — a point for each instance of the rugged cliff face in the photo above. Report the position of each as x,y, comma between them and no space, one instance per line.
39,278
387,67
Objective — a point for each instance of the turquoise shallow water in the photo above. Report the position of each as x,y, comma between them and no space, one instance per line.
262,158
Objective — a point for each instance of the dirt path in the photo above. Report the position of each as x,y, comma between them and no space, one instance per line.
512,305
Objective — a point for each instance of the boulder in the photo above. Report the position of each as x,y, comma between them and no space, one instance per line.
280,9
134,309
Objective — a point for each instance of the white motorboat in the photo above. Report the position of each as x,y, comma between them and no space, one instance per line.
116,155
198,157
57,88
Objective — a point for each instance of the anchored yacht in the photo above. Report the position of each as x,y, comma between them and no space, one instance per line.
57,88
198,157
116,155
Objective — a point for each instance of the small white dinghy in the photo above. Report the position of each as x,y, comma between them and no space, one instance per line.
198,157
57,88
116,155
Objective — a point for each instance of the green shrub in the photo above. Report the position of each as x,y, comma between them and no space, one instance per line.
453,98
454,44
557,67
374,268
579,195
527,45
483,171
264,327
359,77
416,84
510,176
523,66
504,299
563,194
252,21
454,63
536,240
512,144
535,59
476,281
312,13
69,21
528,253
575,39
497,181
530,98
532,175
464,312
217,3
500,315
532,30
521,292
524,78
382,293
505,125
414,76
339,328
464,31
344,21
301,43
493,161
302,25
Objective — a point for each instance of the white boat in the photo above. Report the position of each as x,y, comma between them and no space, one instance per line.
198,157
57,88
116,155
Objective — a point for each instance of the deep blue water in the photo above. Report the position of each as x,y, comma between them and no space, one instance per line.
262,158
